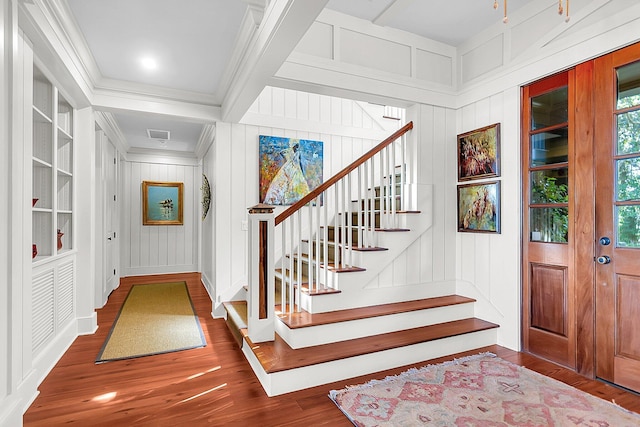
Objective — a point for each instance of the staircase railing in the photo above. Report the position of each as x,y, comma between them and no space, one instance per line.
364,196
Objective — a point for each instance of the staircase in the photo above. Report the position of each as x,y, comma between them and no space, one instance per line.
310,318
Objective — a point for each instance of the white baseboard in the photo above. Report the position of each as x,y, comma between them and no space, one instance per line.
160,269
88,325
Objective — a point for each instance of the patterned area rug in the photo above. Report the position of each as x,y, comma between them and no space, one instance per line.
476,391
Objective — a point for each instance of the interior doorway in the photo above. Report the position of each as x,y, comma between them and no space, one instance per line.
107,277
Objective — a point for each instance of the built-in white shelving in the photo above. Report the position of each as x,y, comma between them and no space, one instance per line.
52,172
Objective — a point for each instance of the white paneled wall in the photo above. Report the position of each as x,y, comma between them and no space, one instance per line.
488,265
208,232
431,259
157,249
347,129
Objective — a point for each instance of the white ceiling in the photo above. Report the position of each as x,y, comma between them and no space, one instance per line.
192,42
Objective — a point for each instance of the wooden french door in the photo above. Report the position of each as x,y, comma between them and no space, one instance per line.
617,249
581,218
548,238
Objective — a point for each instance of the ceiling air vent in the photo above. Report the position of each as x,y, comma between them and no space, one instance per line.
163,135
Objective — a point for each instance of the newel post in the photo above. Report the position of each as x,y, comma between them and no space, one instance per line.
261,304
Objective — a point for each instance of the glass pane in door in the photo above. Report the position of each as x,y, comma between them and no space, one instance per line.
549,224
629,132
549,109
628,220
549,186
628,179
628,85
549,147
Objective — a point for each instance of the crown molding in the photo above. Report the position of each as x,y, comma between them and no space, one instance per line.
207,136
165,157
282,26
246,35
110,127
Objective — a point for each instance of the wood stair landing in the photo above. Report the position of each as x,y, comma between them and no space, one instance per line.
276,356
330,354
304,319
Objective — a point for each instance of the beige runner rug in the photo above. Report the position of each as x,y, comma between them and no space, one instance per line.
154,319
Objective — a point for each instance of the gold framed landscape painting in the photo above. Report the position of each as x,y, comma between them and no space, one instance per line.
162,203
479,153
479,207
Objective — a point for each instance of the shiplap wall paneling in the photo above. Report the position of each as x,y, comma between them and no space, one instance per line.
488,264
224,216
431,258
208,233
160,249
236,153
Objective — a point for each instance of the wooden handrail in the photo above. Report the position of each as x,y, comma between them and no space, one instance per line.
344,172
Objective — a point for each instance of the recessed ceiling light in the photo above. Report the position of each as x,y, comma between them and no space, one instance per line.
148,63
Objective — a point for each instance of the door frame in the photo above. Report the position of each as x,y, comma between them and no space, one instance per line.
580,308
101,290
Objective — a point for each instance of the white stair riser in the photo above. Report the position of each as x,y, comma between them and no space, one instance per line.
355,296
311,376
344,331
395,242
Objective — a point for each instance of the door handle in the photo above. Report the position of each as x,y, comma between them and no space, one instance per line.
108,238
603,259
605,241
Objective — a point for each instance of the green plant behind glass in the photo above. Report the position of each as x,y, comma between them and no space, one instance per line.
546,190
628,179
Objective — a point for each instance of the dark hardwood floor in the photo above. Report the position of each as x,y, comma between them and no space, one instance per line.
213,385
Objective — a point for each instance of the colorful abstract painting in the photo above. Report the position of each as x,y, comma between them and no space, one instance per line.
289,169
479,207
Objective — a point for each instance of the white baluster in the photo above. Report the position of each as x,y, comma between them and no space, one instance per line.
285,272
325,237
365,218
349,225
359,200
317,252
291,263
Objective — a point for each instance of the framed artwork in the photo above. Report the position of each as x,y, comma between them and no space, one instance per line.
289,169
479,153
162,203
479,207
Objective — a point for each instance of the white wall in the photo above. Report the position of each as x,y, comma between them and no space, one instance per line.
486,75
431,259
347,129
488,265
208,232
532,46
147,249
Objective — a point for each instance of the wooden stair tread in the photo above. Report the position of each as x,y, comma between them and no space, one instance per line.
304,319
369,249
319,290
238,311
276,356
342,268
237,320
330,266
354,248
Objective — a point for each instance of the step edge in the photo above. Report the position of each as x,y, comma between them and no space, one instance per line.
478,325
327,318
